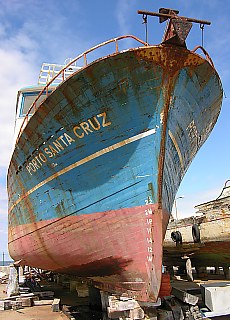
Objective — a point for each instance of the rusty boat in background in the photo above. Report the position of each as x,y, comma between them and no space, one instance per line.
99,158
204,238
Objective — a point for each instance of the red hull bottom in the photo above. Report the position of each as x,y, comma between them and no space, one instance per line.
119,250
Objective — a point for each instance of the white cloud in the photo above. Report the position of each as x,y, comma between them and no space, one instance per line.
185,206
123,8
16,72
124,11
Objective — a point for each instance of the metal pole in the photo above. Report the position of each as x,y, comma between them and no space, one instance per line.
176,210
164,15
3,260
181,197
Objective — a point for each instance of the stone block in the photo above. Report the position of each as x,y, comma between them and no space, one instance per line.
216,296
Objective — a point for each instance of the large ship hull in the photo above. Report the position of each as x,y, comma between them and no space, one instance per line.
94,174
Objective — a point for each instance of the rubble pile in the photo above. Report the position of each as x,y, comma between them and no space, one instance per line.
30,299
3,277
182,307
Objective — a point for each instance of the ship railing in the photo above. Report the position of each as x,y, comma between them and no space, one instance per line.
207,56
49,71
64,71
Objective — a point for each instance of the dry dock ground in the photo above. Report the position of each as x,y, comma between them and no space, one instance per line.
81,309
30,313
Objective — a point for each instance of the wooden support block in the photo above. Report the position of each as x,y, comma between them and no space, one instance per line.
104,300
118,305
127,305
165,288
114,314
94,298
56,305
24,295
151,313
137,313
26,302
5,305
82,289
24,290
172,304
16,305
184,296
44,294
164,315
43,302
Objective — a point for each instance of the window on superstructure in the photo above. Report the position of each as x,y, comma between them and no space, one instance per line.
27,100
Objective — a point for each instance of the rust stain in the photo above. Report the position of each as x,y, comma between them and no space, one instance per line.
172,59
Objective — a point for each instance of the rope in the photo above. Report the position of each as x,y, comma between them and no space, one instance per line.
202,34
146,27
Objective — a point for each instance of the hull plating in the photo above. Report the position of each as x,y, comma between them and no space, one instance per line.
115,136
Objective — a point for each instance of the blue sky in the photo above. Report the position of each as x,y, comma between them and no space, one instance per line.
33,32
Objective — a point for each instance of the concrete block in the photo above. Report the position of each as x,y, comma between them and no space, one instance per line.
56,305
216,296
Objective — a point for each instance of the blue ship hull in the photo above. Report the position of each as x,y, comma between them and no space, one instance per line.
113,140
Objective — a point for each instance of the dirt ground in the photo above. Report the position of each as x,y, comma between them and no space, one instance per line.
30,313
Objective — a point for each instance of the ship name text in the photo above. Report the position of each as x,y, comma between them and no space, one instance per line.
50,149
